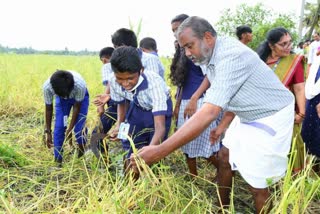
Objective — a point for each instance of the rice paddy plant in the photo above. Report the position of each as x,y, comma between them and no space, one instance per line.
294,193
77,187
30,182
9,157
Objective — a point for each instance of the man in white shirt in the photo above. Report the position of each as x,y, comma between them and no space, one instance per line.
313,49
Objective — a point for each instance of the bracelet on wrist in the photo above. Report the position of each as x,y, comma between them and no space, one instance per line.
47,131
301,115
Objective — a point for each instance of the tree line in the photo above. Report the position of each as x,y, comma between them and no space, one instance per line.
30,50
261,19
258,17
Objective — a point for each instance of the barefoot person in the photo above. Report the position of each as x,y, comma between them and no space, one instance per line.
258,143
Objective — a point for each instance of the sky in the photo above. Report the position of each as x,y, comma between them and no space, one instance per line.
89,24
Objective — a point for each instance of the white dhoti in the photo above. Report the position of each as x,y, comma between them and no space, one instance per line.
259,149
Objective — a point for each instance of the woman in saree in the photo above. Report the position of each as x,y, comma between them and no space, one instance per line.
276,52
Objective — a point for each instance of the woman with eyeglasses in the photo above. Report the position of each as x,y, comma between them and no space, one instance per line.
276,52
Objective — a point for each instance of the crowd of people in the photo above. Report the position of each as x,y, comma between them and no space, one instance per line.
240,109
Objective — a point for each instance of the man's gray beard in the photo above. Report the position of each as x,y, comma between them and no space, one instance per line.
198,63
205,61
206,58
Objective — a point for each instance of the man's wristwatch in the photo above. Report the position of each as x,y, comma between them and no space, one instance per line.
47,131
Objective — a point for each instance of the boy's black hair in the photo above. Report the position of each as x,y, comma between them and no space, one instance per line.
126,59
62,83
125,37
106,52
179,18
242,29
148,43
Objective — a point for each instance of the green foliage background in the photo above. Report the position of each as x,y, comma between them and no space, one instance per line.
259,18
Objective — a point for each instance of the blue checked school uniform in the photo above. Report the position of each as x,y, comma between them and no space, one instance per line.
200,146
150,62
151,98
62,110
108,119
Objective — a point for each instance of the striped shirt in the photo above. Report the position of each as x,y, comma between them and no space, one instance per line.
78,92
150,62
242,83
107,73
152,93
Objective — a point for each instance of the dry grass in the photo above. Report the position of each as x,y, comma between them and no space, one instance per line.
30,182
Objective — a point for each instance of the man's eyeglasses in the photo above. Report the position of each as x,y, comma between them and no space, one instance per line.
285,44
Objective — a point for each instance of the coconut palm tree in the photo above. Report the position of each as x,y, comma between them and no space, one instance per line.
312,18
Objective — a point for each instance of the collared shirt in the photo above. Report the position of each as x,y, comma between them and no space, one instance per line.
150,62
242,83
78,92
152,94
107,73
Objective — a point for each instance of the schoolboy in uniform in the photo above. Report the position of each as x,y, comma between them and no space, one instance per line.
149,45
70,91
144,103
107,116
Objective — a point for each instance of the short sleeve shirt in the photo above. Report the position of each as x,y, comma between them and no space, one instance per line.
152,93
242,83
78,92
151,62
107,73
